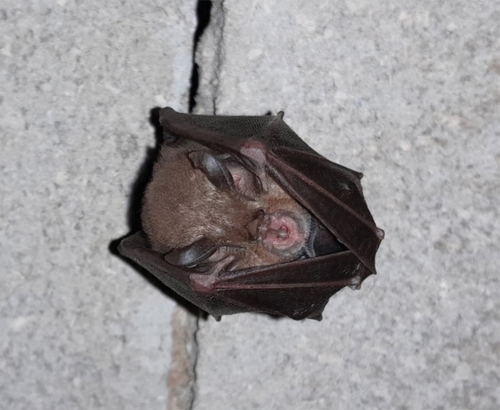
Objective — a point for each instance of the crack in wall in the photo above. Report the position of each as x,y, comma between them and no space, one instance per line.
207,60
203,9
181,376
195,362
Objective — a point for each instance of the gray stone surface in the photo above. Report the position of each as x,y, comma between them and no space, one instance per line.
79,327
407,94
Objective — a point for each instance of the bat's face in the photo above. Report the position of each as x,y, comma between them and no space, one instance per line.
203,207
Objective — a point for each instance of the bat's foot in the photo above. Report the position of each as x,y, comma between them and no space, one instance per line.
207,282
203,283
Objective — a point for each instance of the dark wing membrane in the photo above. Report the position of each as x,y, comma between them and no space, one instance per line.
231,131
136,248
333,194
299,289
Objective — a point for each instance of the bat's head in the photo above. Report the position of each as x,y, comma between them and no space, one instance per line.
199,196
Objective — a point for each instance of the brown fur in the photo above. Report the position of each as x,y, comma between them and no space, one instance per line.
181,206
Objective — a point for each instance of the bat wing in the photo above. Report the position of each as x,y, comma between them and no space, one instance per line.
302,292
135,247
331,192
333,195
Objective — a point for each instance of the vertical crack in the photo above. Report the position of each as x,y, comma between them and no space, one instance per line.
203,9
195,361
181,378
208,57
207,61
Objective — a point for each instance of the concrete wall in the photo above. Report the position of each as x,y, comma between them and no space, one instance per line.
81,328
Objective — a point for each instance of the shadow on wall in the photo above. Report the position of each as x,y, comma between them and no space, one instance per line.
134,214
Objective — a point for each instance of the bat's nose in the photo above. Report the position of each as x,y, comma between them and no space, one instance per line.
282,232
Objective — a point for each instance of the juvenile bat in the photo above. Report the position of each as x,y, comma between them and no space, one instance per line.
242,215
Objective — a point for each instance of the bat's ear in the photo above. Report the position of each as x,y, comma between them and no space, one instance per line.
226,173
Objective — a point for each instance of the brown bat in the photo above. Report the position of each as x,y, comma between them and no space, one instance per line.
242,215
243,221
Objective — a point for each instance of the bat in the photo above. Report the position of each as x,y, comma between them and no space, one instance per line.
240,220
241,215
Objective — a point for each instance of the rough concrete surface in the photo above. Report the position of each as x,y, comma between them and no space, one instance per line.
407,93
81,328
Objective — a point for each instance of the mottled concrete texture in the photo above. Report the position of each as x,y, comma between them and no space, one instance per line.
408,94
80,328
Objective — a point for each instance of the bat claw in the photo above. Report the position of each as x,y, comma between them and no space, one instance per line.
355,283
380,233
